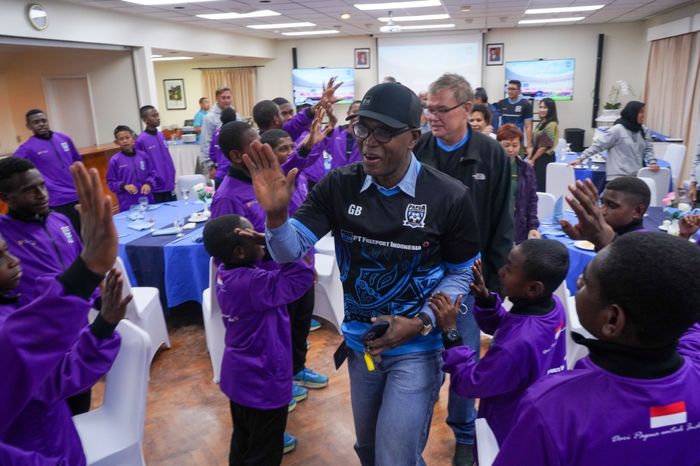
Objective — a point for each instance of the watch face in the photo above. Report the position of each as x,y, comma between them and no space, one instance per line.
452,334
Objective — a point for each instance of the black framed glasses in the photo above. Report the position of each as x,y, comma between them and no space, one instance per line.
443,110
382,134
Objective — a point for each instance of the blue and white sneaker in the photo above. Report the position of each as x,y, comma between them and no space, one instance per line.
310,379
292,405
299,393
315,325
290,443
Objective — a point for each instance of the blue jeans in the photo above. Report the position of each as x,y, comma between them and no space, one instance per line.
460,411
393,405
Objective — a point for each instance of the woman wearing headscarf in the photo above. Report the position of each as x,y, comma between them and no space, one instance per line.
628,144
544,140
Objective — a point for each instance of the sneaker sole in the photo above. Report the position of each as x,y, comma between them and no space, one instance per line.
310,384
292,407
301,397
289,448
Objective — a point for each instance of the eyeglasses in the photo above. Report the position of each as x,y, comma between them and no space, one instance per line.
442,110
382,134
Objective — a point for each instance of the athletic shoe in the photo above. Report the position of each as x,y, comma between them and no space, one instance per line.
299,393
315,325
290,443
292,405
310,379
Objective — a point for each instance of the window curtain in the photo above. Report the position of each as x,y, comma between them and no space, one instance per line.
240,80
672,91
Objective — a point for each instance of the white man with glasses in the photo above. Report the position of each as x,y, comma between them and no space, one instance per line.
403,231
480,163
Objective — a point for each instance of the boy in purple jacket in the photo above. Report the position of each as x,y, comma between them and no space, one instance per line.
221,162
341,143
256,371
528,342
130,173
635,399
152,142
52,153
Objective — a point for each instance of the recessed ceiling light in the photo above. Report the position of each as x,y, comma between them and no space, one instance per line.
414,18
252,14
564,9
345,16
164,2
465,9
551,20
397,5
427,26
171,58
280,25
310,33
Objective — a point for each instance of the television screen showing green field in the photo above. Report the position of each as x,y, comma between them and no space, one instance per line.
544,78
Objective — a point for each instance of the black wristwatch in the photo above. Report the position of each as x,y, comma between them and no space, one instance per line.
427,323
451,337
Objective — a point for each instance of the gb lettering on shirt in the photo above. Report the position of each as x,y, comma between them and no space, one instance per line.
68,234
65,146
355,210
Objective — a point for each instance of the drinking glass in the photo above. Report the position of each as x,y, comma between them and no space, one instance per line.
143,204
178,224
152,222
186,195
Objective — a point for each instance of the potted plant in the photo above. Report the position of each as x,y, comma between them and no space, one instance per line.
611,108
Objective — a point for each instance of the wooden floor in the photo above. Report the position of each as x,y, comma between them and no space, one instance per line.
188,421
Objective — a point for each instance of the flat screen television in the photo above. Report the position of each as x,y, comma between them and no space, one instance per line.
544,78
307,84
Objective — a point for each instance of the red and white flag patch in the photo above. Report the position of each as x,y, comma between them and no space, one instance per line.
669,415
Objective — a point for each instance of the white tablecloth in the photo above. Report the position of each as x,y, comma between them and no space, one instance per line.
184,158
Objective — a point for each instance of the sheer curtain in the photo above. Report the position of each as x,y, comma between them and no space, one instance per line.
240,80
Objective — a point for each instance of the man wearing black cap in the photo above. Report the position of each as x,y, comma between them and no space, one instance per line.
403,231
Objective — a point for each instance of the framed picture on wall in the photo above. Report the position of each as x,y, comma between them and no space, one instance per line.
174,94
361,59
494,54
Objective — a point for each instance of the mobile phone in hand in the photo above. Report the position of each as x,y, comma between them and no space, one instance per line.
377,329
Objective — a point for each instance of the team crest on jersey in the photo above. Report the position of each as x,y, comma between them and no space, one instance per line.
518,108
68,234
142,164
415,215
65,147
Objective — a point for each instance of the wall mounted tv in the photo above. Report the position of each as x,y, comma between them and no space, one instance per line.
544,78
307,84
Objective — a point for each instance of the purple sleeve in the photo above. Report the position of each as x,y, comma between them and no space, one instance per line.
151,177
138,145
89,359
689,343
281,286
113,181
214,147
497,373
296,160
298,124
489,318
531,435
22,151
33,342
74,152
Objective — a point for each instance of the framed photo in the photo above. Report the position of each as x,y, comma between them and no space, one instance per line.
174,94
361,59
494,54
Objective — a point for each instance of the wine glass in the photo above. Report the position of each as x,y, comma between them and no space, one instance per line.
186,195
143,204
178,224
152,222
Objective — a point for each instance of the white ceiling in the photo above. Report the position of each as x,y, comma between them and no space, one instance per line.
326,13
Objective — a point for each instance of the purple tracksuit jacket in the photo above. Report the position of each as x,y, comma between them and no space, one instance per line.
529,343
47,245
133,169
525,218
53,158
215,155
256,370
46,355
154,146
336,145
613,411
298,124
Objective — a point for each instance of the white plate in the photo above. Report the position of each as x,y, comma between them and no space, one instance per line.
585,245
196,218
598,159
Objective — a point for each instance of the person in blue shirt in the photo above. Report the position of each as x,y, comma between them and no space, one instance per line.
204,105
517,110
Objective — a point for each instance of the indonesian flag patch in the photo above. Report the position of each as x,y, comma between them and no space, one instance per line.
669,415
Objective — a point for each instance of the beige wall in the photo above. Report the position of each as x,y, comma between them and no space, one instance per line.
111,78
624,58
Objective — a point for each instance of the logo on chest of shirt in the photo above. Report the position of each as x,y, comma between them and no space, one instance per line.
355,210
415,215
42,152
68,234
65,147
479,176
518,108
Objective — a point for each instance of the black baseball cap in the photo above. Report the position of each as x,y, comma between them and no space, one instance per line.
393,104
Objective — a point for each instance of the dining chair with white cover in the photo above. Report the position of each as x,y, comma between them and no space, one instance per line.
662,178
214,328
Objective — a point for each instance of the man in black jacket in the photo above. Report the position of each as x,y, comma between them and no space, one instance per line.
480,163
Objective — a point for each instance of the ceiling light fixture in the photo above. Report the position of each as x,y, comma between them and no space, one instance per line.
252,14
386,19
345,16
310,33
171,58
427,26
390,26
156,56
280,25
564,9
164,2
551,20
397,5
465,9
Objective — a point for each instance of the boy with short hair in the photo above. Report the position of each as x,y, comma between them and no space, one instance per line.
635,398
152,142
256,373
528,341
130,173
